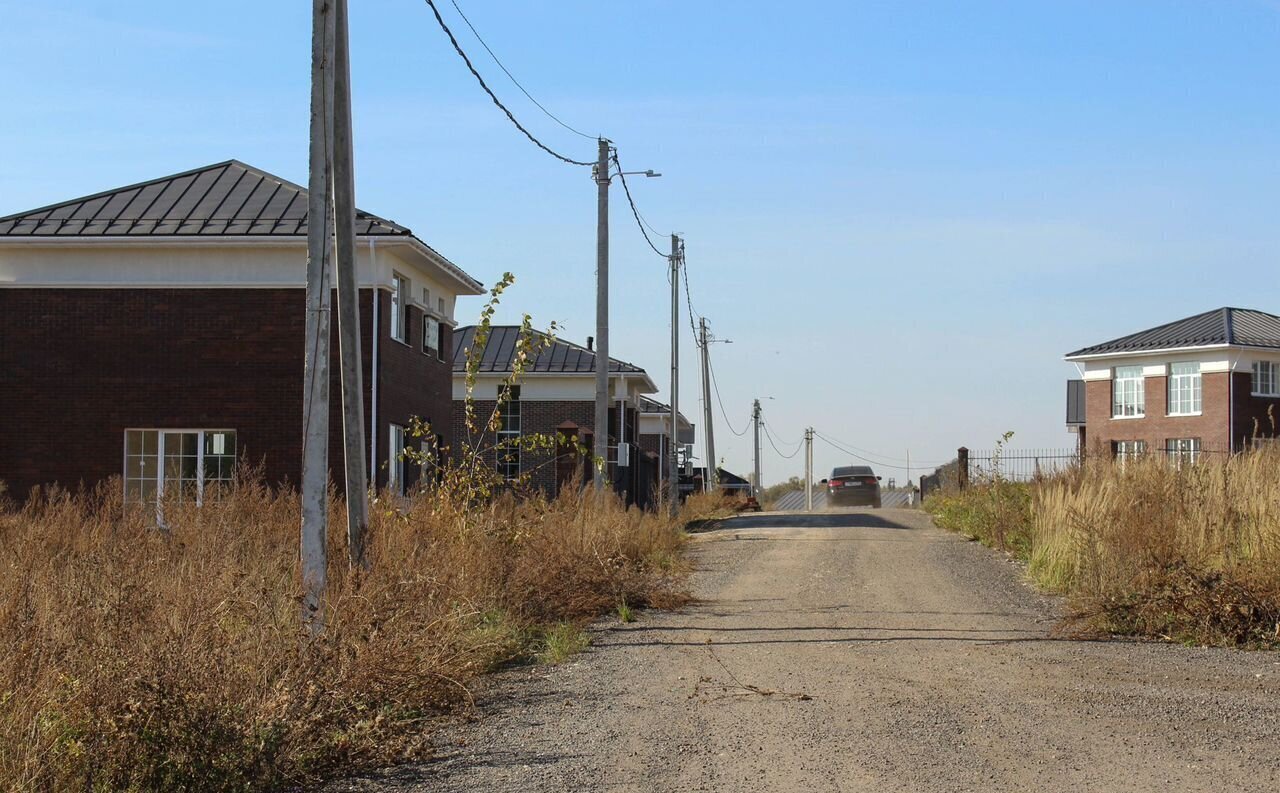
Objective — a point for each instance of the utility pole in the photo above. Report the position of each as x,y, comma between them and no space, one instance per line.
601,450
673,442
344,211
808,470
755,424
315,398
710,481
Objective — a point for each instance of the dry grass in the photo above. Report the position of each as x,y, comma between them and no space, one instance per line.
1189,555
138,658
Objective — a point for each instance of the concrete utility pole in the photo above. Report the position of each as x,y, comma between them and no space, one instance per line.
673,442
601,450
344,211
755,424
315,397
808,470
711,480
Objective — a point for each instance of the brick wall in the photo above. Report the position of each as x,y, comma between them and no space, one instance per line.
1211,426
1254,416
79,366
544,418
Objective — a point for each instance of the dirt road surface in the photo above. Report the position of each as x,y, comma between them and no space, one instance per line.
863,651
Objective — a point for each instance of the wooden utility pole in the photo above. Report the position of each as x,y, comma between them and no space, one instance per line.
673,461
315,397
343,174
601,450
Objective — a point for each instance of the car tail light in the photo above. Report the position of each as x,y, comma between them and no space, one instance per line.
871,480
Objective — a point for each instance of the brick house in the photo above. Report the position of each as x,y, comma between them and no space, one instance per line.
655,436
1206,384
156,331
555,396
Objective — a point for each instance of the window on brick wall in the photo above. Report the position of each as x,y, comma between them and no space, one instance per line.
1128,396
399,308
1184,389
431,335
395,460
508,446
1183,451
1265,381
183,464
1124,451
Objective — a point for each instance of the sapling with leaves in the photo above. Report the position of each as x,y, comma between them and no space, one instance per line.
472,472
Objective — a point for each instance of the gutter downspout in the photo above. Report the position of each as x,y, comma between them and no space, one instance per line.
373,373
1231,405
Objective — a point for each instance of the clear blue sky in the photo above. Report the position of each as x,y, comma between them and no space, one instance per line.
902,214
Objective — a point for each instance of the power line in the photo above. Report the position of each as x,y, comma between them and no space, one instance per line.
837,447
458,47
784,443
715,387
634,211
769,435
480,38
869,453
689,297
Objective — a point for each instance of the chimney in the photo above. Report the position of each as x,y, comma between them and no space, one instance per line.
590,341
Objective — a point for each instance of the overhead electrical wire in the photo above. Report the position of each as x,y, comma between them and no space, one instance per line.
716,388
461,53
837,447
763,423
769,435
884,458
480,39
634,211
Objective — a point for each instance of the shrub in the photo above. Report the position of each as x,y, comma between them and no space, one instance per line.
176,658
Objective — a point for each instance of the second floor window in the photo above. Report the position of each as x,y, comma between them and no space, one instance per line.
399,303
1265,382
1127,392
1184,389
431,335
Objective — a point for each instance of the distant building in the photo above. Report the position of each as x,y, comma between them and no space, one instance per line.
1206,384
156,332
555,397
656,437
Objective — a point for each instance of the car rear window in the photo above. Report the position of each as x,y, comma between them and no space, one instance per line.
852,470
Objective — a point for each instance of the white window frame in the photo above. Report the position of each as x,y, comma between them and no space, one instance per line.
1185,391
1183,450
395,459
161,432
1268,385
1128,393
506,455
431,336
400,286
1129,450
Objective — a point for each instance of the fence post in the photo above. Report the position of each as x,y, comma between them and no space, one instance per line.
962,467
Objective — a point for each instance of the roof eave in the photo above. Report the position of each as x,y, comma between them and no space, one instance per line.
1076,356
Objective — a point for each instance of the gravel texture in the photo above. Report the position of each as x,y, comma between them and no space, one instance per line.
862,650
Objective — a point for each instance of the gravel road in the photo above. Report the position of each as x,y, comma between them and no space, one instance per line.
862,650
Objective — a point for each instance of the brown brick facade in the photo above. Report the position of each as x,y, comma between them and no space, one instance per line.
79,366
1212,426
545,417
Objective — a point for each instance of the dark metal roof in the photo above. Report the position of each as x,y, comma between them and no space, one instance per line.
224,199
1238,326
1075,402
561,357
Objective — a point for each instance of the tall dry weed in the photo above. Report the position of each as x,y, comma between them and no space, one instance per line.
1190,553
175,659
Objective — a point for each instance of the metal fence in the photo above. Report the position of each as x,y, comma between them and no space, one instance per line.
1016,465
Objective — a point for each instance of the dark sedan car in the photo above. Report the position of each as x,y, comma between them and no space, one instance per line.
853,486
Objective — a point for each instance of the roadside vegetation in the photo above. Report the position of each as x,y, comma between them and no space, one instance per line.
169,652
1188,554
140,658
